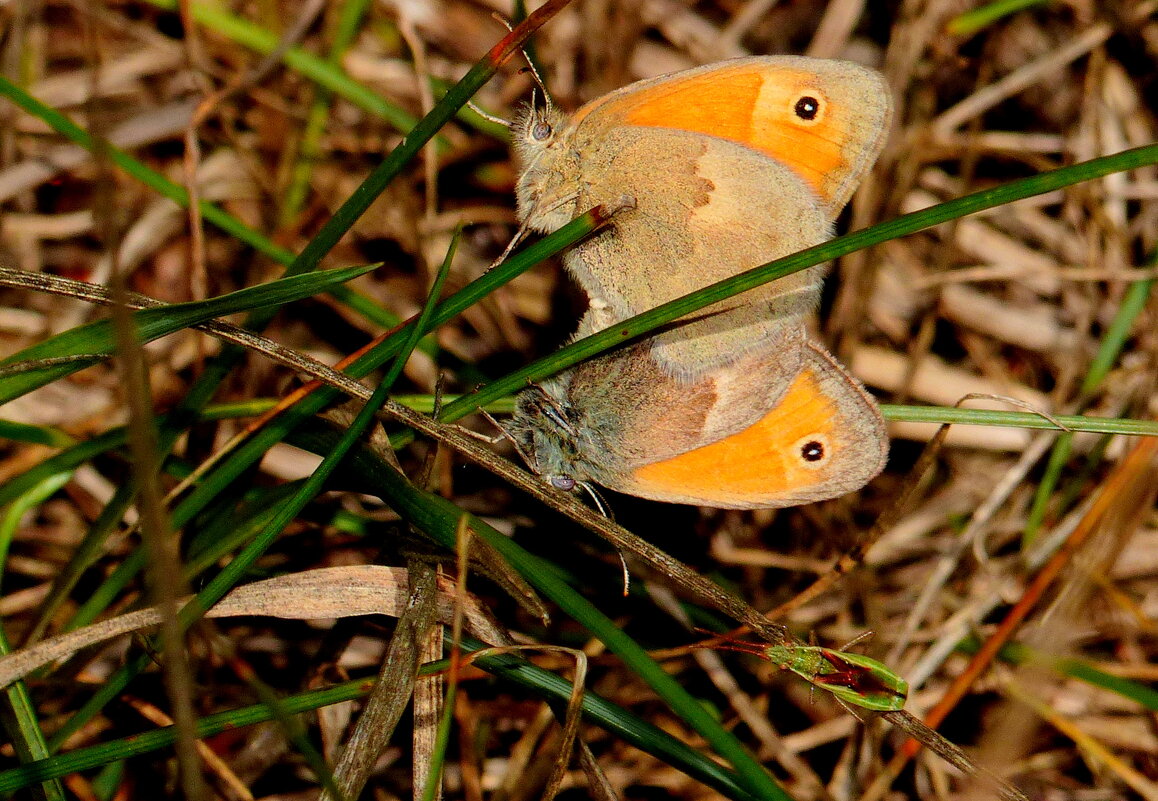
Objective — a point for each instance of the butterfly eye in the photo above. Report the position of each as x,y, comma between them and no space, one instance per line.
807,108
565,483
541,131
812,451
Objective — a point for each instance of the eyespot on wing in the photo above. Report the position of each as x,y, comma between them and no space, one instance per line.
823,439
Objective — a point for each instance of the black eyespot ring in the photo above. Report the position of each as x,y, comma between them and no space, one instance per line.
541,131
812,451
565,483
807,108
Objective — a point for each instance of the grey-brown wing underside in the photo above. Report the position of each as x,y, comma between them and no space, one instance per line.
706,209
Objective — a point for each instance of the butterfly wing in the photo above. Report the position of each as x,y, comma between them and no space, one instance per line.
823,439
824,119
605,417
705,209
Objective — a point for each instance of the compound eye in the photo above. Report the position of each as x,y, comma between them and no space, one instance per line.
541,131
565,483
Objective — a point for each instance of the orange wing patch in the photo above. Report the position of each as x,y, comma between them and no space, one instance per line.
825,124
815,149
774,462
757,108
719,103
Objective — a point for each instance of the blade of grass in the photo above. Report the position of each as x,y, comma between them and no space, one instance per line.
99,338
49,436
308,259
905,413
1118,332
78,453
891,229
332,231
1072,667
179,195
254,449
978,19
354,206
544,683
150,178
21,721
310,150
243,561
439,518
986,417
321,71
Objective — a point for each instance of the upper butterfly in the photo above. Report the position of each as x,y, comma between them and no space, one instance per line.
730,165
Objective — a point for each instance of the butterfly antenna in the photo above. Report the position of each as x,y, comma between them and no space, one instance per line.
600,504
626,572
530,64
547,102
553,410
488,116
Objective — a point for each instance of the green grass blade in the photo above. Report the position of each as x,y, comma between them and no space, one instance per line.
1110,348
154,180
908,414
67,460
1074,668
438,518
237,568
971,22
369,190
35,435
986,417
320,71
310,149
842,246
20,720
99,338
253,449
510,668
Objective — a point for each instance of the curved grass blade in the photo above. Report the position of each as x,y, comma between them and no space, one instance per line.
987,417
438,518
21,720
976,20
520,672
1132,305
891,229
99,337
254,449
1072,667
49,436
